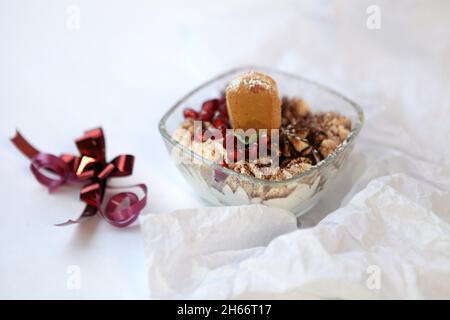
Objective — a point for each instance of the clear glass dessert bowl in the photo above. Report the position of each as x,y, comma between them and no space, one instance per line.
297,194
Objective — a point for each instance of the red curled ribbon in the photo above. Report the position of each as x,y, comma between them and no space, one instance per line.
91,167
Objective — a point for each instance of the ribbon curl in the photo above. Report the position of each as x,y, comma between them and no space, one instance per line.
92,169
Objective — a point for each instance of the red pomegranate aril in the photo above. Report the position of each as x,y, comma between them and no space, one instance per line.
189,113
224,134
225,113
198,137
223,109
225,119
219,123
233,155
220,176
222,128
210,106
205,115
225,139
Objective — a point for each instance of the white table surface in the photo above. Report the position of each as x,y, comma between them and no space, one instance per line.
131,60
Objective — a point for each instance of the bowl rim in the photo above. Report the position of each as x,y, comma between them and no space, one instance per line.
356,128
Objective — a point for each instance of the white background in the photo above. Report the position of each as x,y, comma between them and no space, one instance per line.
131,60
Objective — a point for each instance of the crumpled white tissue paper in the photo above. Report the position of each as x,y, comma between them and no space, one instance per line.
385,231
387,242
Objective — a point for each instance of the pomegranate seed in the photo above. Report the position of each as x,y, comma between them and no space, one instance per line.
223,109
233,155
225,113
190,113
225,142
205,115
219,175
199,136
224,131
219,123
210,106
222,127
225,119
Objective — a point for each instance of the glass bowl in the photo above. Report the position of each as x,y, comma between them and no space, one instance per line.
297,194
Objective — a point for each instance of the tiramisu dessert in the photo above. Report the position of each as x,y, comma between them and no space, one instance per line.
252,131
